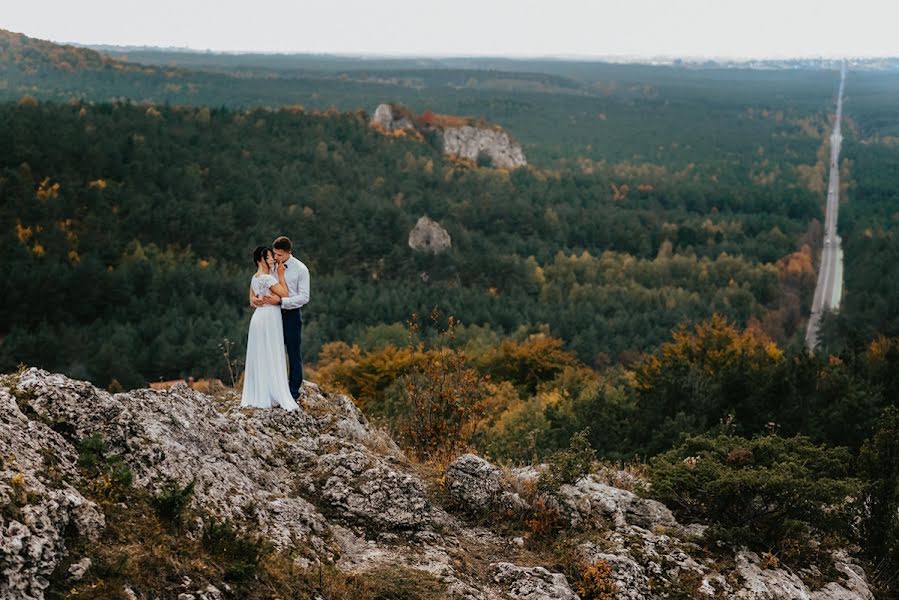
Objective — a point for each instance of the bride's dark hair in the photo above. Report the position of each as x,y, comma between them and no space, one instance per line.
259,253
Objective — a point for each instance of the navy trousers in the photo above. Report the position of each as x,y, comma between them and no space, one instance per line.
292,321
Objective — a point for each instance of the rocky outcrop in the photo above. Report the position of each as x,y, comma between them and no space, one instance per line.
390,118
649,553
321,485
461,137
589,500
429,236
471,142
479,487
37,502
534,583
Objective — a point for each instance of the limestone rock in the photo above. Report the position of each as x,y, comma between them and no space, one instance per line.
589,500
628,574
469,142
323,485
388,118
853,586
770,584
77,570
479,486
37,502
532,583
429,236
366,490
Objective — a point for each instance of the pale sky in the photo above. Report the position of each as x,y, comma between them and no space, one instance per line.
685,28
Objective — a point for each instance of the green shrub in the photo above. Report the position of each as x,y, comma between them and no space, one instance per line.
569,465
108,473
769,493
91,451
171,501
239,554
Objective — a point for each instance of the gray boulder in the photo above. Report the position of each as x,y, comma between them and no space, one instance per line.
429,236
590,502
532,583
478,486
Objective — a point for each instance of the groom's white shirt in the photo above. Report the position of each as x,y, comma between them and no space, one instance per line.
297,277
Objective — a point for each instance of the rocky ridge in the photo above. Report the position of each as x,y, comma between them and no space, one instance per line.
323,486
460,139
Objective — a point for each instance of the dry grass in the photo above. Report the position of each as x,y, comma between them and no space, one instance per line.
154,559
631,476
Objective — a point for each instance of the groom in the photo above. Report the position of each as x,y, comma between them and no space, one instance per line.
297,277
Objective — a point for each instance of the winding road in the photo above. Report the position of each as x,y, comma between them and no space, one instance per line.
829,290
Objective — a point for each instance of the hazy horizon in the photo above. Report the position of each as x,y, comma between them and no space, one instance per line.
569,29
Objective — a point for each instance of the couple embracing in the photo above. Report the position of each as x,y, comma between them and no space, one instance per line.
279,288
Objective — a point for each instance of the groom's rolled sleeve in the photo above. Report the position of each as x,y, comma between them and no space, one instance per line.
301,298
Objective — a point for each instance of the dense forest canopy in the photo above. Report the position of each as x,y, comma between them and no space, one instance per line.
130,200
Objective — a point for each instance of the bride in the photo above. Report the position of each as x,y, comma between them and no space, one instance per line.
265,378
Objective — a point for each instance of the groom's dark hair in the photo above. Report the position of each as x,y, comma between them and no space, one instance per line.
282,243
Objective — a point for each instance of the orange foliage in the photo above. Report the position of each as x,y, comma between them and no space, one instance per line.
444,121
619,193
797,263
712,346
597,582
527,363
45,191
879,348
544,520
365,377
22,232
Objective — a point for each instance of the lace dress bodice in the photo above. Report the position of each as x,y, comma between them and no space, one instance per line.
262,283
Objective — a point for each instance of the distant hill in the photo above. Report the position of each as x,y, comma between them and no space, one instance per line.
22,54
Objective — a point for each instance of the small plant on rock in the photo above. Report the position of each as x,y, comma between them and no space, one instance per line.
171,501
596,582
238,554
569,465
108,473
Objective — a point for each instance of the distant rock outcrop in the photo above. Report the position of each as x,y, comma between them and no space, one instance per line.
461,137
389,118
319,486
429,236
471,142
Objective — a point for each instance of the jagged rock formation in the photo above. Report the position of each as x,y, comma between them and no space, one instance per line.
390,118
429,236
462,138
470,142
323,486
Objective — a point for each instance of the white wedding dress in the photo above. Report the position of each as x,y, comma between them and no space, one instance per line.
265,378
